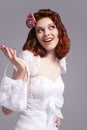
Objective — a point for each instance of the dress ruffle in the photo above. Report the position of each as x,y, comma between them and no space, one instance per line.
13,94
63,65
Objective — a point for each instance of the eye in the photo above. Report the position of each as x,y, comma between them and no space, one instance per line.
39,30
52,27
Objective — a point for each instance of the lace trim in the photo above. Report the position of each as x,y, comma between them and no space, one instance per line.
63,64
36,65
32,62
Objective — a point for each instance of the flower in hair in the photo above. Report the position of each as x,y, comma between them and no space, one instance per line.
31,21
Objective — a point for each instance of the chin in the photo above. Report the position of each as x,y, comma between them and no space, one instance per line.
50,48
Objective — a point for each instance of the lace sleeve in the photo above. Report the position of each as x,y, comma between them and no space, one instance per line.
63,65
31,62
26,57
13,93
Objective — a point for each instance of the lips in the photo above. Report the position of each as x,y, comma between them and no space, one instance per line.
48,40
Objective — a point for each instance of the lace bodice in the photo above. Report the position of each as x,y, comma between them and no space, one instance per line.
40,87
33,62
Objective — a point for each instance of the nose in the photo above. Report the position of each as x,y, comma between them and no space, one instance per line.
46,32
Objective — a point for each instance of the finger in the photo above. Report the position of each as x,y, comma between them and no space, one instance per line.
11,52
57,119
58,123
14,52
2,47
7,52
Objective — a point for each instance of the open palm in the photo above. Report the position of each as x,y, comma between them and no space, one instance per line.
11,55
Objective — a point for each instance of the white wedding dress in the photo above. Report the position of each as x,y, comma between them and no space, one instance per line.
44,97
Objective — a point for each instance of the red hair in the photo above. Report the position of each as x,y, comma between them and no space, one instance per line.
63,45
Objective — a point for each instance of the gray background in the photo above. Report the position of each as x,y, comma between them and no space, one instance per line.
13,33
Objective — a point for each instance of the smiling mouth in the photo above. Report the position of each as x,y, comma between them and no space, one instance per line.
48,40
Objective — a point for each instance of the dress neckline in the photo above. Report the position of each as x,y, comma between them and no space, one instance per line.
35,71
47,78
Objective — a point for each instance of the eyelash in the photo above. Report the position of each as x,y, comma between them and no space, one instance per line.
39,30
50,27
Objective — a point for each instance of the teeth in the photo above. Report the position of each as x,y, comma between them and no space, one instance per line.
48,40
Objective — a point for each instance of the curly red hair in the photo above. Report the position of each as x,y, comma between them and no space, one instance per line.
63,45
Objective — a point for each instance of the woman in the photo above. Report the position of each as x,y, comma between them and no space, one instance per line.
40,65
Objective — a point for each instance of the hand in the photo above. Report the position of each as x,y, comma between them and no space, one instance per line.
57,121
11,55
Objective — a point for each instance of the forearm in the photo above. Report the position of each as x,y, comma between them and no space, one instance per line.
20,73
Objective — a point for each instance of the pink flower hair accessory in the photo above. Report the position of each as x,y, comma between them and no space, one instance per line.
31,21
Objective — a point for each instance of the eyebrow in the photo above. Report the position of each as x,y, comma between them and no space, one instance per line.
48,25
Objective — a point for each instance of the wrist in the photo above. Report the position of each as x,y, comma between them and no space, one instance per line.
20,67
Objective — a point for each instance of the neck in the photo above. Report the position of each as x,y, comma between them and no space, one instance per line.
51,55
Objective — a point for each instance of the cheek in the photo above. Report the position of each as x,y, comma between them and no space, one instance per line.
56,40
57,36
39,37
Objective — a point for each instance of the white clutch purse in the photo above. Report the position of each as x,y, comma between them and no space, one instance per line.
13,93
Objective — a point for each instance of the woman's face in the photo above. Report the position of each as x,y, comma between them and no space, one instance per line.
47,33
